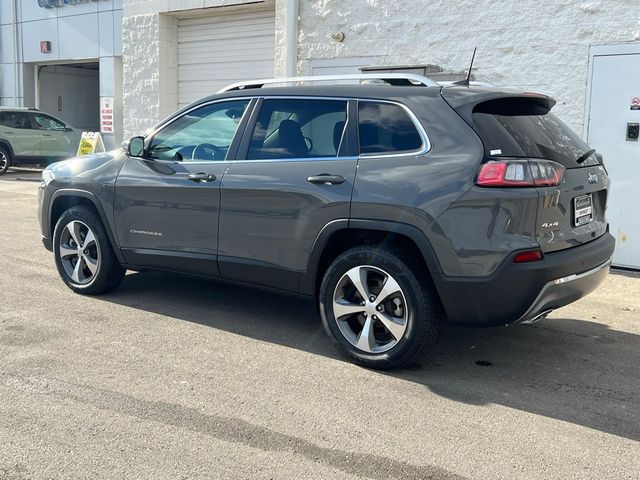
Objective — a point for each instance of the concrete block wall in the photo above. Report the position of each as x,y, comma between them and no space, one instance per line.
535,45
141,72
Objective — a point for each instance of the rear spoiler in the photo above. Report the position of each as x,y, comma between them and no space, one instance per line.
465,101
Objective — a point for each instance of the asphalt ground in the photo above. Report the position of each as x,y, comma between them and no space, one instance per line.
176,377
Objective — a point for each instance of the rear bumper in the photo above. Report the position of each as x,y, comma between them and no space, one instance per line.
522,292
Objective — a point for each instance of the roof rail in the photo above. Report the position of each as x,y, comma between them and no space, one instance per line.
400,79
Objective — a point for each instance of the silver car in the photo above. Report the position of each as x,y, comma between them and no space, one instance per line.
28,136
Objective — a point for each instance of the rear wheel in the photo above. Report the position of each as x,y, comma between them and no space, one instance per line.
5,160
84,257
379,309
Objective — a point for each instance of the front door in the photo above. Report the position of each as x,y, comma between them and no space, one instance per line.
294,175
57,141
613,129
167,202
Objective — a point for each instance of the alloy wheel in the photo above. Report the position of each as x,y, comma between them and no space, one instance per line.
79,252
370,309
3,161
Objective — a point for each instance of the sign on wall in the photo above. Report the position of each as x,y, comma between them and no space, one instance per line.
106,114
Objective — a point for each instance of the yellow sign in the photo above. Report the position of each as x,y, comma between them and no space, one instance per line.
90,142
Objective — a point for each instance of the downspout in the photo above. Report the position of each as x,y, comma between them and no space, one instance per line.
291,38
16,88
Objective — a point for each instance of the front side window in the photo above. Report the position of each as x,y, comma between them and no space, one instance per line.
45,122
386,128
202,134
298,128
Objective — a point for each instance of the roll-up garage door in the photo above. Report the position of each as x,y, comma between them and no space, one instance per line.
214,51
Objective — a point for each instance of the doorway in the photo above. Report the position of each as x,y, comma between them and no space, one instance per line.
71,92
612,127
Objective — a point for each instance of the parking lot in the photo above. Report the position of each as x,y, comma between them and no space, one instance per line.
176,377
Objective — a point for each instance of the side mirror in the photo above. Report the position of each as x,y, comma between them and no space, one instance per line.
135,148
600,158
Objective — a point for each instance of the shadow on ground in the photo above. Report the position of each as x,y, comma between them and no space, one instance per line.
574,370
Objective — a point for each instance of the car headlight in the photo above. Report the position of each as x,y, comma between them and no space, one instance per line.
47,176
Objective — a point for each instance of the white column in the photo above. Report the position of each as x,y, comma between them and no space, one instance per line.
291,38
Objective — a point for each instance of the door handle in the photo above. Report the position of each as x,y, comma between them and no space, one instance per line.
201,177
47,135
326,179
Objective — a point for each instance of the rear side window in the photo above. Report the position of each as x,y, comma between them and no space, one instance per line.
297,128
386,128
15,120
522,127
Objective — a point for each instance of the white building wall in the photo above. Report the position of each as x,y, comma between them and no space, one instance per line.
536,45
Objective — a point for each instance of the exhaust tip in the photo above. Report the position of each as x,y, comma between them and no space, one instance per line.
537,318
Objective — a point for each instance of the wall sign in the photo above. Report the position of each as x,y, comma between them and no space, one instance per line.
106,114
635,103
45,46
60,3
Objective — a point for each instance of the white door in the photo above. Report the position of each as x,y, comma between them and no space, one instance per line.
614,86
214,51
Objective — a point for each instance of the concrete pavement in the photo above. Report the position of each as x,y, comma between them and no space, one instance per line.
175,377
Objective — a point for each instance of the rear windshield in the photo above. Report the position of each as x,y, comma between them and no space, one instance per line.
522,127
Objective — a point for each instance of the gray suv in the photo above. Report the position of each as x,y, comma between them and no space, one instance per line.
396,206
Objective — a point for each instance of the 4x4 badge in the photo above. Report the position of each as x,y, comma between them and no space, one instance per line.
592,178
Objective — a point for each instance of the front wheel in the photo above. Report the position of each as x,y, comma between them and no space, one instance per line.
84,257
378,308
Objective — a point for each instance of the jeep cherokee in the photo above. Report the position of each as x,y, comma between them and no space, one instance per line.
395,206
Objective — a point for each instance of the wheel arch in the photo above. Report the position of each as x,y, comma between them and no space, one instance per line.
63,199
340,235
5,143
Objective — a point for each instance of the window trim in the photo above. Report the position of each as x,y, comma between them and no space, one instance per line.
235,142
250,126
243,134
426,143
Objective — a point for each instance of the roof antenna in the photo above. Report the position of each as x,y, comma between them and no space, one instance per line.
467,81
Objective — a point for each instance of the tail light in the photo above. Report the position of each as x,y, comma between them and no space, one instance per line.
520,173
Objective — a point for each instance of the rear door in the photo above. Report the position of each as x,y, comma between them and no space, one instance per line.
571,213
16,128
294,175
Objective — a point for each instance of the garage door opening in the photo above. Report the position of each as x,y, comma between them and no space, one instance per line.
71,92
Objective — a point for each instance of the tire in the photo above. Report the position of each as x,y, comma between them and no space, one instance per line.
92,269
5,160
400,325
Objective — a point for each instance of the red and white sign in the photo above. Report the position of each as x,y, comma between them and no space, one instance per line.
106,114
635,103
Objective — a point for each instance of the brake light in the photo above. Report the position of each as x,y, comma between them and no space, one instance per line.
520,173
529,256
